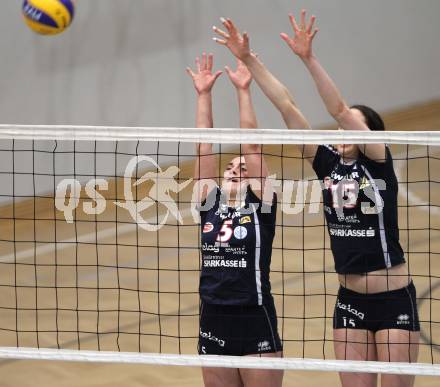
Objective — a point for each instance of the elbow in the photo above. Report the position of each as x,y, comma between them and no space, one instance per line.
287,104
287,107
339,112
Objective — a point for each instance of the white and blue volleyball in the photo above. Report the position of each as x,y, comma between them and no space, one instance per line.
48,17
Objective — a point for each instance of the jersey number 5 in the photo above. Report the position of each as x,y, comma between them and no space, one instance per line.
225,232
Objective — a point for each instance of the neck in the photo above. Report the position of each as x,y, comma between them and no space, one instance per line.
348,159
236,199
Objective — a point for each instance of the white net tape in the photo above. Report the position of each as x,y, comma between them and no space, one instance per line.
214,135
221,361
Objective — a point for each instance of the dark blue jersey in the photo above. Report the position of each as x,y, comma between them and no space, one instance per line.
236,250
360,205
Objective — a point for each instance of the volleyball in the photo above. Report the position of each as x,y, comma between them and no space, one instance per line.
48,17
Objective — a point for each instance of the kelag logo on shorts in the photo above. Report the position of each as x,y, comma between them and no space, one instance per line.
211,337
349,309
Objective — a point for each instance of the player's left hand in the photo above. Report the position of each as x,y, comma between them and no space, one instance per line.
301,42
236,42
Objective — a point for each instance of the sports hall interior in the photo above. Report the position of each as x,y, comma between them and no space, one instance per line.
114,67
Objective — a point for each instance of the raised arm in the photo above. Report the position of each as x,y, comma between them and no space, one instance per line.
277,93
255,163
241,78
204,79
301,45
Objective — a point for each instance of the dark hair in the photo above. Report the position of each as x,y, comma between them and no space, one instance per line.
372,118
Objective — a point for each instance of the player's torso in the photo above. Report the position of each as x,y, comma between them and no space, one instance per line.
228,238
350,201
235,247
357,202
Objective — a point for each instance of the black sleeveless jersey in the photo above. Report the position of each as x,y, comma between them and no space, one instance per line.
360,205
236,250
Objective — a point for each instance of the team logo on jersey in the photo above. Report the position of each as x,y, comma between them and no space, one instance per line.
208,227
364,183
240,232
245,219
370,233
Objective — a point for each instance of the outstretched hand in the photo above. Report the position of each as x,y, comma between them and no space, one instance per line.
301,42
203,78
241,78
236,42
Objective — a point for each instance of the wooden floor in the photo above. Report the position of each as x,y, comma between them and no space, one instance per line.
99,268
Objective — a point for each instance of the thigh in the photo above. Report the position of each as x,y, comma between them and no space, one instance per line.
219,377
355,344
397,345
264,377
397,339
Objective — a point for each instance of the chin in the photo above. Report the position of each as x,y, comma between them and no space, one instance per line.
347,151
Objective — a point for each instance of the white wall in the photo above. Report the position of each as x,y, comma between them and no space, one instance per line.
122,62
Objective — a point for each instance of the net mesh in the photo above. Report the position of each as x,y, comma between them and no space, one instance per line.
100,243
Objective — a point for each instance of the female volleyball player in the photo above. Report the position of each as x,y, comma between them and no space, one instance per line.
237,315
375,313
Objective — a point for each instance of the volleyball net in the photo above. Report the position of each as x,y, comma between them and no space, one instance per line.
100,244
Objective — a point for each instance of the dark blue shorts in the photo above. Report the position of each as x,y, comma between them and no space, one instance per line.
395,309
238,330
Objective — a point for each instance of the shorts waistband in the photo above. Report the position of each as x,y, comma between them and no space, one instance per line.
246,308
390,293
